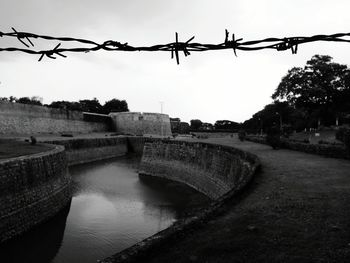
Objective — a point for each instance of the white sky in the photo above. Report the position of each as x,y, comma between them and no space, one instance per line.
208,85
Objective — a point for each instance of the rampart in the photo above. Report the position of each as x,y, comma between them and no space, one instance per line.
137,123
218,171
33,188
17,118
211,169
80,151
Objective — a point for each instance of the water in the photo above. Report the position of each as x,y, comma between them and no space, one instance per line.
111,209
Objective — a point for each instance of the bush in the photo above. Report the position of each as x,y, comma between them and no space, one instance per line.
242,135
306,141
273,137
343,134
346,140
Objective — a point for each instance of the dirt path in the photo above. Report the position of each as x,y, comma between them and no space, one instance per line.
296,210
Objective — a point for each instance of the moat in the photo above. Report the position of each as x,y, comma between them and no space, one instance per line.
112,208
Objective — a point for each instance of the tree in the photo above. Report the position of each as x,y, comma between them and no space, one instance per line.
196,124
32,101
279,114
115,105
321,89
66,105
93,106
226,125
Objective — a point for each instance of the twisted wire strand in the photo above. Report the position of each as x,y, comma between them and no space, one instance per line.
279,44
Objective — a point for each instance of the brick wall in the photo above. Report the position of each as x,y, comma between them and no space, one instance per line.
33,189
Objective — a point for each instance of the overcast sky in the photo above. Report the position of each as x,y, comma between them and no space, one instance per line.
207,85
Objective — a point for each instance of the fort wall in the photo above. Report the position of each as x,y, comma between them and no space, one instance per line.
137,123
79,151
211,169
33,189
17,118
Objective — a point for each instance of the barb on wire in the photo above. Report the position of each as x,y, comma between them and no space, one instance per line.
279,44
22,35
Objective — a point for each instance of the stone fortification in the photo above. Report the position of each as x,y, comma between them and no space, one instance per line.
80,151
211,169
137,123
32,189
17,118
218,171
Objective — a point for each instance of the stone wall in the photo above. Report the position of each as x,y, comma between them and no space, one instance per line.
219,171
137,123
17,118
33,189
328,150
80,151
211,169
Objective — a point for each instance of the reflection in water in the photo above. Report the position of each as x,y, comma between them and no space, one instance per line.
40,245
112,209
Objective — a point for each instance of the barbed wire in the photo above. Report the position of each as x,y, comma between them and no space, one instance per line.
279,44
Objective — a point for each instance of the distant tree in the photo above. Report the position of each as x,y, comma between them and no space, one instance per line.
280,114
115,105
175,119
175,125
27,100
196,124
37,98
207,126
12,99
93,106
184,128
226,125
66,105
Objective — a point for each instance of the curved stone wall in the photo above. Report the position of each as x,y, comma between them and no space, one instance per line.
218,171
33,188
211,169
81,151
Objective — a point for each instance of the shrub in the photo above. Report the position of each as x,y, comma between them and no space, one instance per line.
343,134
273,137
346,139
306,141
242,135
340,134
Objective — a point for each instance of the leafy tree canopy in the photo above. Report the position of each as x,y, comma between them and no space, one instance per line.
115,105
319,83
196,124
321,89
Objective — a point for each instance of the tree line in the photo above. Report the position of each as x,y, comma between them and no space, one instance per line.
312,96
94,106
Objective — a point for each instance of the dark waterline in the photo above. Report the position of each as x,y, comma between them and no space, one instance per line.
112,208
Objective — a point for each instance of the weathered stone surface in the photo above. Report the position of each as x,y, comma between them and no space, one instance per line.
211,169
17,118
141,123
80,151
32,189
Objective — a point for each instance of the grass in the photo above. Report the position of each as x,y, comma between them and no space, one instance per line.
14,148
